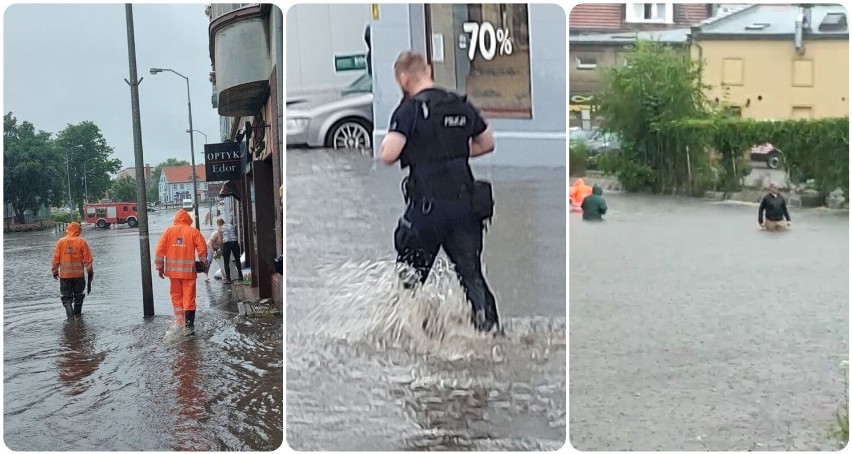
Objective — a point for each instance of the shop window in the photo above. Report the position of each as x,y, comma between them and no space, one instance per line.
482,50
649,12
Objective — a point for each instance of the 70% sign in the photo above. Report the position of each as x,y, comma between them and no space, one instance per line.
478,35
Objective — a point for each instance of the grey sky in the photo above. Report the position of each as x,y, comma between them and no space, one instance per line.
66,63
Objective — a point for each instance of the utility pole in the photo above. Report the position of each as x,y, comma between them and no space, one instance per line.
141,197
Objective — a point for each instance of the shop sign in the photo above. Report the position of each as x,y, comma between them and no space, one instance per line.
487,39
355,62
580,103
223,161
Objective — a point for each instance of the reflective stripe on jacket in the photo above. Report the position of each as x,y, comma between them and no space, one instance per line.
72,256
176,251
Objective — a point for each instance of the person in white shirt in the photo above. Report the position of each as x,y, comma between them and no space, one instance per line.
214,250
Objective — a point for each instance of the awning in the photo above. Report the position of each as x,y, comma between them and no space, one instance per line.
230,189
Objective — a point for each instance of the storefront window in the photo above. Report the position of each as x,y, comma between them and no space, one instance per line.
482,50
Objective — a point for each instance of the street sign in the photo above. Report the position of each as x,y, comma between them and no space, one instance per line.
356,62
223,161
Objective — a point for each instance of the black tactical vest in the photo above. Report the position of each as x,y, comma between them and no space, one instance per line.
437,149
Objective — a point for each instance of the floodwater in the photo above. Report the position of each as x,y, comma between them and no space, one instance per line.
113,380
363,373
692,330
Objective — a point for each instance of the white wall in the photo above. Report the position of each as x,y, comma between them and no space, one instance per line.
317,32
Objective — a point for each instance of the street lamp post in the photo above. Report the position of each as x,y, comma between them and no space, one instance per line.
154,71
205,135
68,173
86,181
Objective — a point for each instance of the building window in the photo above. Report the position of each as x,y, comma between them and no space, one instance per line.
732,71
735,111
650,12
482,50
803,112
803,73
587,62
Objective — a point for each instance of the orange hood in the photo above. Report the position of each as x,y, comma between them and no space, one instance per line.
73,229
579,183
182,217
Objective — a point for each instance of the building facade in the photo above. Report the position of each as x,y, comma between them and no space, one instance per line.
175,184
246,51
131,172
515,76
621,17
777,61
600,33
328,60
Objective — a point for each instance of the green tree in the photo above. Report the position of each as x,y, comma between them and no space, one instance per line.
155,176
123,190
657,85
89,161
33,175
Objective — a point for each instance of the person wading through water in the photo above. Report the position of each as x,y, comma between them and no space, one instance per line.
71,259
434,133
594,205
175,257
775,207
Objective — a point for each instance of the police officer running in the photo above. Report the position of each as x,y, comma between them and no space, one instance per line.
434,133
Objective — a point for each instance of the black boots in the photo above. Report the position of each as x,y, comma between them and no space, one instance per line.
68,309
190,322
78,308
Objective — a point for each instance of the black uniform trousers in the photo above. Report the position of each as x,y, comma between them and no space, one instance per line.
429,225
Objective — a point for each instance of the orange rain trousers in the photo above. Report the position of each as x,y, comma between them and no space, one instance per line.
183,297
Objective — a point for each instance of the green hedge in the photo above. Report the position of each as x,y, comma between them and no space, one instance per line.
578,156
811,149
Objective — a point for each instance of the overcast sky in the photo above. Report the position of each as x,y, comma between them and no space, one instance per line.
65,63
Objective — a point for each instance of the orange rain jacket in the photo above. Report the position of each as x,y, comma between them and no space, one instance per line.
579,191
72,256
175,253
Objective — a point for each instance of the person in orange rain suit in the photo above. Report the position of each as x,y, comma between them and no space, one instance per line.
71,258
175,257
579,191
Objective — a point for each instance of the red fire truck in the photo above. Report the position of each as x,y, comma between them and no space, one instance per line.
107,213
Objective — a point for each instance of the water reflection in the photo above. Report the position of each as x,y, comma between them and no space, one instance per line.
79,360
190,400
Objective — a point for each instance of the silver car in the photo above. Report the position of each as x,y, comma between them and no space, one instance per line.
339,119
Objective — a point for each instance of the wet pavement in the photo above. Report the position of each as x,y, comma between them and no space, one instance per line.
113,380
363,374
693,330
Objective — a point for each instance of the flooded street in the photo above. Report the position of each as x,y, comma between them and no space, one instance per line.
362,372
692,330
110,380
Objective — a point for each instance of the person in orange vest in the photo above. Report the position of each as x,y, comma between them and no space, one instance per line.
579,191
72,258
175,257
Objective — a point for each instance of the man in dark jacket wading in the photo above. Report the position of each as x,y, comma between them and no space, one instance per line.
776,210
594,205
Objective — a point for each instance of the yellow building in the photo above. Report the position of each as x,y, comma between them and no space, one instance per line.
777,61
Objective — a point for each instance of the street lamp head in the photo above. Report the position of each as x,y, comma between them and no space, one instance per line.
156,70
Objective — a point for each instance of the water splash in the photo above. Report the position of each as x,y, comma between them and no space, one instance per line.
368,304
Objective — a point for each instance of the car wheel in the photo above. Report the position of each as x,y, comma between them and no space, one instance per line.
102,224
350,133
773,161
132,222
